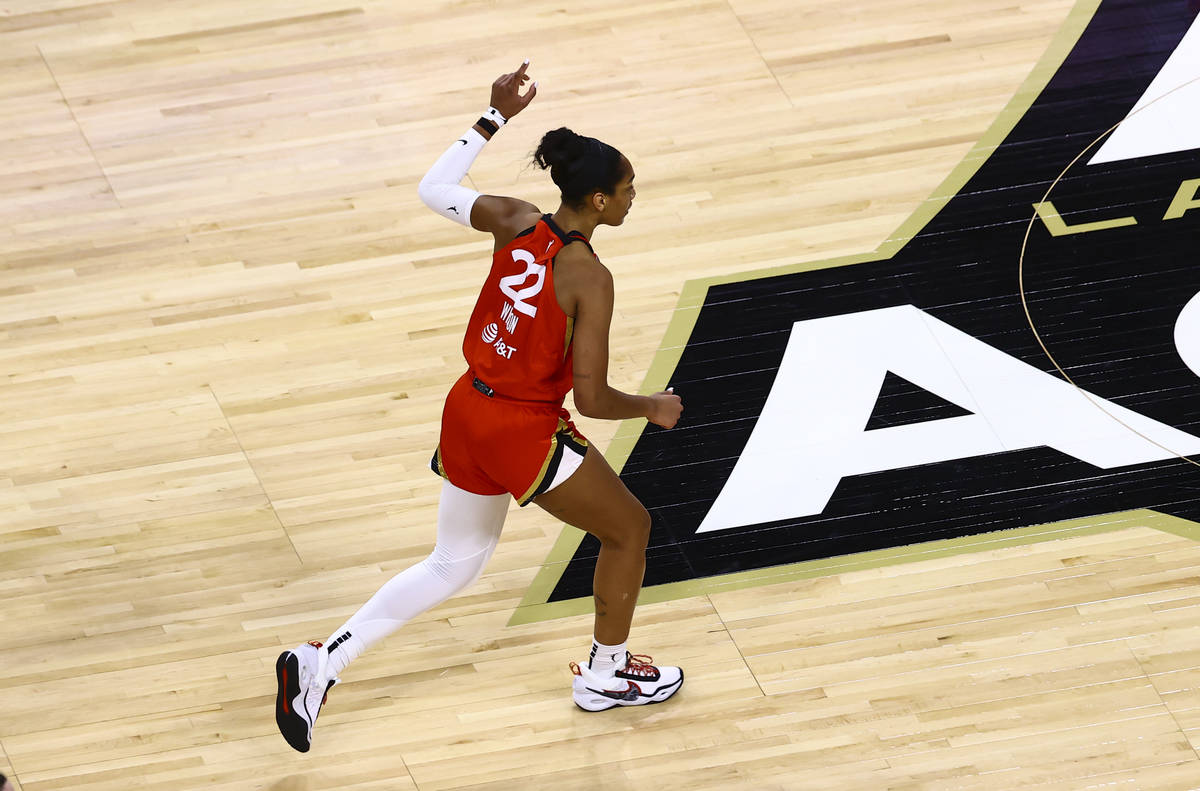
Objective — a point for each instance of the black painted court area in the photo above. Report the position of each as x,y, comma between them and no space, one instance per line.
1104,302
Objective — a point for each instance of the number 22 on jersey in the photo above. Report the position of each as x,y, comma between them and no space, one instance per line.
509,285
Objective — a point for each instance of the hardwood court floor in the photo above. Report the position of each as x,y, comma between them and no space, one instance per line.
227,326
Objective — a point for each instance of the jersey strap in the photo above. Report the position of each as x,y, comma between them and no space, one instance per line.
564,236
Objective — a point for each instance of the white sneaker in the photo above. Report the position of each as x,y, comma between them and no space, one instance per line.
637,683
300,674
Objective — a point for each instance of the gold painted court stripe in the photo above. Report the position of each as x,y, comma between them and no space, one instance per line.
534,606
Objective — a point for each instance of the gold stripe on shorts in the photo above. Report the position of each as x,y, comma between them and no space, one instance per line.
541,476
437,459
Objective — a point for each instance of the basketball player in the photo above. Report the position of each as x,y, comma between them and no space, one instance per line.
540,327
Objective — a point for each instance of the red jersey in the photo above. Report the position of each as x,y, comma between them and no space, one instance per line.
518,341
504,428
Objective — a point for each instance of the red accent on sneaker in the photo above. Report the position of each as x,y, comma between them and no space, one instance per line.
285,700
575,669
316,643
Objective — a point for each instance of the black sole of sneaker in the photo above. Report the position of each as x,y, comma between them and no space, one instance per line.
291,725
651,703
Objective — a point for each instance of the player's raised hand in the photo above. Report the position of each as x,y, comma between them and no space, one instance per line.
506,92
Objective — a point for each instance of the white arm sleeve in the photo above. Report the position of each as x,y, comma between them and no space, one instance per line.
440,190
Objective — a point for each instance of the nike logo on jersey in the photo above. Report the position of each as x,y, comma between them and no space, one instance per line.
548,246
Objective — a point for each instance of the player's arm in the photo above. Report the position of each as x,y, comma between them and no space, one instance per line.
440,189
590,286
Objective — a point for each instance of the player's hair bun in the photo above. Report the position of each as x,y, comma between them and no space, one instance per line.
558,148
579,165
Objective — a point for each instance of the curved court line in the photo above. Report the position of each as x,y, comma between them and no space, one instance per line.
1021,273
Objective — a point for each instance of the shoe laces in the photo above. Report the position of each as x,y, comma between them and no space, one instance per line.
640,665
635,665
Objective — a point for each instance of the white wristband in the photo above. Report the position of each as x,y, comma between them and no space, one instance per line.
494,116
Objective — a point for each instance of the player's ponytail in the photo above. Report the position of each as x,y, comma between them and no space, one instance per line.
580,166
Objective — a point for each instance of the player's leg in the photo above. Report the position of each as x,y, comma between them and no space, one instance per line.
595,500
468,528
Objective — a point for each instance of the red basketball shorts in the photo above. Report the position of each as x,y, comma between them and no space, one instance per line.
493,445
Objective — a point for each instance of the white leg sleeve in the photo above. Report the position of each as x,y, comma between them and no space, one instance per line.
468,528
440,189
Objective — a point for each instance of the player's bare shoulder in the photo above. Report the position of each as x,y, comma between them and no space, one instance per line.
579,275
576,261
503,217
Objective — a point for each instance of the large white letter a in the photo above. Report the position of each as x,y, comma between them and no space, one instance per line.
810,433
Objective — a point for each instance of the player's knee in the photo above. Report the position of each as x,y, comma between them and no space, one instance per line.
457,571
643,526
633,532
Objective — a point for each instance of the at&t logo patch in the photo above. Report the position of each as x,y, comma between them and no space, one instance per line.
491,334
